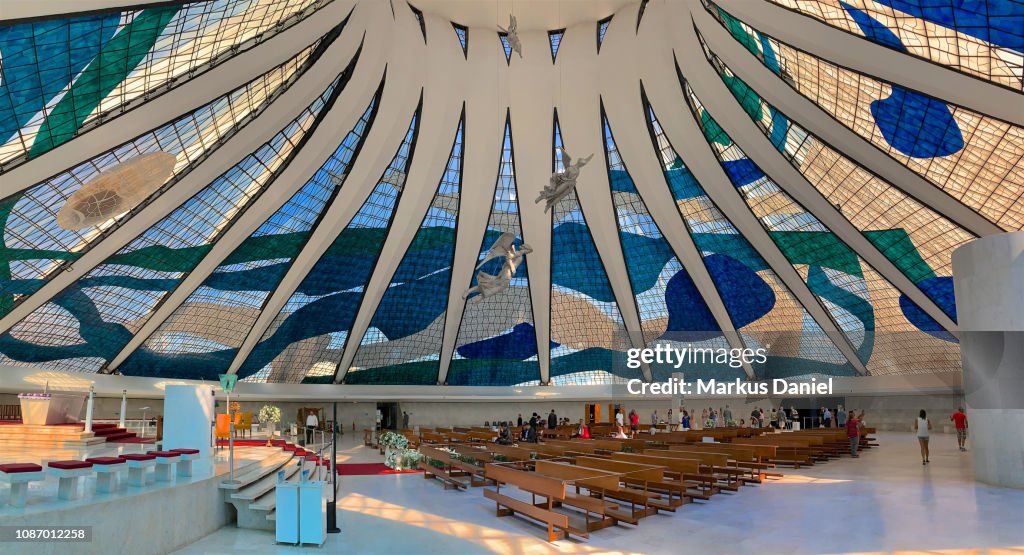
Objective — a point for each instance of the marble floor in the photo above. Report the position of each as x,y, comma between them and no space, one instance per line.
883,502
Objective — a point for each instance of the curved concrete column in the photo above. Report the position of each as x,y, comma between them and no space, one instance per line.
989,282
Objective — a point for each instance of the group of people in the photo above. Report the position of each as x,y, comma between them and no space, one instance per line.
923,427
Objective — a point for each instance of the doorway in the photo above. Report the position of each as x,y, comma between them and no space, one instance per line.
390,416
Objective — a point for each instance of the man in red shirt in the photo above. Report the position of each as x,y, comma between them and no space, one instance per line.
853,432
959,419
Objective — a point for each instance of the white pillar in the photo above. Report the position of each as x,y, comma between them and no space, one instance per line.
188,411
88,409
124,407
989,284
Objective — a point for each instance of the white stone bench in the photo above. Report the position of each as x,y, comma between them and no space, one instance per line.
68,472
164,461
108,469
185,460
19,475
137,465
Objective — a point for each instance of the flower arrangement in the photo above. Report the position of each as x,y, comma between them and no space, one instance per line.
234,406
270,413
393,440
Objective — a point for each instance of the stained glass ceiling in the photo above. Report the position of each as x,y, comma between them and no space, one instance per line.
381,129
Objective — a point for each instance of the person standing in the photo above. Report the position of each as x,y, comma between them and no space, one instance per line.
311,423
405,420
853,433
668,419
519,423
634,423
826,418
727,414
684,420
654,418
840,417
959,419
619,418
552,420
794,415
923,427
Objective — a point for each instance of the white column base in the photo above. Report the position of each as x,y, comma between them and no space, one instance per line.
67,488
19,494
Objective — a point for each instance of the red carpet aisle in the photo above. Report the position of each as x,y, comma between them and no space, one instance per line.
370,469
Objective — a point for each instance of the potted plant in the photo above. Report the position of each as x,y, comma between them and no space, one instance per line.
270,416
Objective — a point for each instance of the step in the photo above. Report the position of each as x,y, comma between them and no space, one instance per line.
119,435
107,431
251,473
266,484
50,442
268,501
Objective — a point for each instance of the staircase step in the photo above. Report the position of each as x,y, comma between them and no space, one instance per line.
268,501
265,484
108,431
254,472
119,435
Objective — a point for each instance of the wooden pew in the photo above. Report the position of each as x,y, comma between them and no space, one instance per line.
552,490
744,457
509,452
684,475
595,481
445,473
713,463
433,437
636,479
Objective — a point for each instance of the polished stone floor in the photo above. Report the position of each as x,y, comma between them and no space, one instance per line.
883,502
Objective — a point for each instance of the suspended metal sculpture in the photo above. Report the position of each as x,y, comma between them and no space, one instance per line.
488,285
563,182
512,35
116,190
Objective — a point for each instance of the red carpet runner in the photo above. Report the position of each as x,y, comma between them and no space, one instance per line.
369,469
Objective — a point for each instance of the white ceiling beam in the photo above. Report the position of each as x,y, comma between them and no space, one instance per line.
862,55
185,96
390,125
839,137
666,98
318,146
278,114
727,112
34,9
437,126
483,135
627,118
532,108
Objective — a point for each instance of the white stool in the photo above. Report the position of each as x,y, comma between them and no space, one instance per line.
19,475
107,471
137,465
68,472
185,461
164,461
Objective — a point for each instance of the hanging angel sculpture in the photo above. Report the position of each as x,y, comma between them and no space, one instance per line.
512,35
561,183
488,285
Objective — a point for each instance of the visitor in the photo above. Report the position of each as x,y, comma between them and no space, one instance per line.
826,418
552,420
634,423
535,421
773,419
923,426
712,418
794,415
727,415
761,418
754,416
782,418
311,423
743,423
840,417
853,434
405,420
582,431
524,432
669,420
618,418
504,435
654,419
519,423
703,417
959,419
684,421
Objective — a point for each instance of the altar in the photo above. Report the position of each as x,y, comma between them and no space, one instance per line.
39,409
